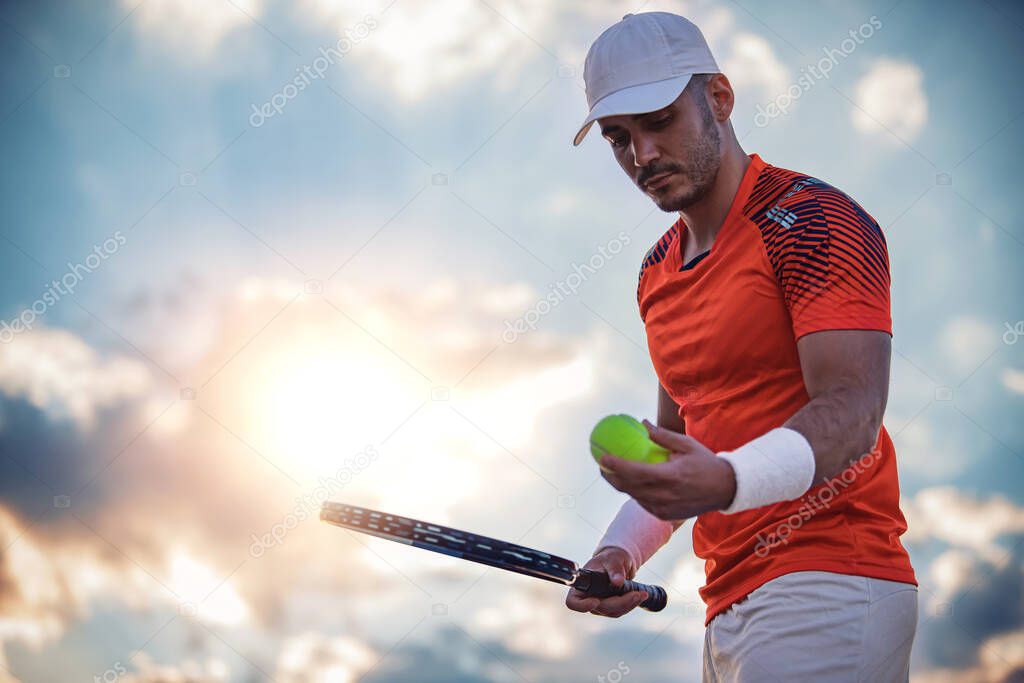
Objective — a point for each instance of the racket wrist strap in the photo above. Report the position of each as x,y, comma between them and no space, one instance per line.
636,531
772,468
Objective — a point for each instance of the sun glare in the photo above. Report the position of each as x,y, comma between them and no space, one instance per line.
323,407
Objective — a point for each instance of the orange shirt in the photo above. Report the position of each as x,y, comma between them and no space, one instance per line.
794,256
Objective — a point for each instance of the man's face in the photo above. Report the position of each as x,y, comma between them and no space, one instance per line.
672,154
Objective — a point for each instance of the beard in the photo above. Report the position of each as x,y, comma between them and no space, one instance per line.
700,171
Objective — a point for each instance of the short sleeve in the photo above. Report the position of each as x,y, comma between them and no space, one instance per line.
830,259
654,256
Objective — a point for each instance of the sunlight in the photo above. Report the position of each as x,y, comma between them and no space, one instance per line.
320,406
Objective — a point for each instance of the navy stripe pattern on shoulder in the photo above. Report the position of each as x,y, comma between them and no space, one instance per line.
824,248
657,253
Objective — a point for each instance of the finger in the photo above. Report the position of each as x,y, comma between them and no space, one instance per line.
629,472
617,606
614,480
619,482
674,441
581,602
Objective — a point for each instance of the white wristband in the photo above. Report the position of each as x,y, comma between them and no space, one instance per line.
636,531
770,469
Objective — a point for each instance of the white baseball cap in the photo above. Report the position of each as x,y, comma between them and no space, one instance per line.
642,64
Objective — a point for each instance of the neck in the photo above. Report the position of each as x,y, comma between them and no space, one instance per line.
704,219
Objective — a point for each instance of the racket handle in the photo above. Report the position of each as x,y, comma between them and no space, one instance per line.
600,585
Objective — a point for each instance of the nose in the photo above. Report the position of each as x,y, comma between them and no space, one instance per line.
644,150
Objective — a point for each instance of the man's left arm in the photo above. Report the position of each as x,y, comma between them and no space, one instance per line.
846,373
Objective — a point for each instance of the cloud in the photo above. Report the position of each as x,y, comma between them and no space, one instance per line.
976,601
450,656
1002,657
456,394
53,579
213,597
311,657
60,374
751,62
533,623
562,202
1013,380
190,29
962,521
950,573
684,584
296,395
891,96
921,448
211,670
1000,660
974,588
49,583
421,48
748,59
967,341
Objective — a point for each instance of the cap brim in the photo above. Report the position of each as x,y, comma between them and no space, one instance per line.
639,99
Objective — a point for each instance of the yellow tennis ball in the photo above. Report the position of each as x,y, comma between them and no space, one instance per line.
625,437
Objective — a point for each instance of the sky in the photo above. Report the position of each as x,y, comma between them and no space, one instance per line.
254,254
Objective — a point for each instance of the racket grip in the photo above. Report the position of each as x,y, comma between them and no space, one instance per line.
600,585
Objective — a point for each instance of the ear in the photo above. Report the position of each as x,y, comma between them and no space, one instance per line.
721,97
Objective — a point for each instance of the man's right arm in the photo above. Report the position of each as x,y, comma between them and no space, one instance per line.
634,529
631,539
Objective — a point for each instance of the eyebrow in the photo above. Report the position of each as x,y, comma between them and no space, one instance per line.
636,117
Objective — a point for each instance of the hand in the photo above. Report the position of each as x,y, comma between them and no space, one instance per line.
617,563
693,481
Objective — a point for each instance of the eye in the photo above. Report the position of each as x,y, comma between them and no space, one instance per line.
619,142
661,121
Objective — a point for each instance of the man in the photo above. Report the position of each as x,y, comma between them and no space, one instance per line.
766,307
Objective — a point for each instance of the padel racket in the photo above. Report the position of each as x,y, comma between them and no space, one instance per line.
489,551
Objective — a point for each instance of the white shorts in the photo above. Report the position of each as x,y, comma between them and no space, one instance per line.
815,626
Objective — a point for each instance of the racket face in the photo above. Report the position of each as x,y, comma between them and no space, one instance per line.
449,541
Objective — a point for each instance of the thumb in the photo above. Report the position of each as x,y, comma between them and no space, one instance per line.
613,561
673,441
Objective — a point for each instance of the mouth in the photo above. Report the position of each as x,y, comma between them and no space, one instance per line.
657,182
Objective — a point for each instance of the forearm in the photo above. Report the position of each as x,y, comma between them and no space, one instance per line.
638,532
841,425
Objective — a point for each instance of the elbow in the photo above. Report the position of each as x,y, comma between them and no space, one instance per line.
868,434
